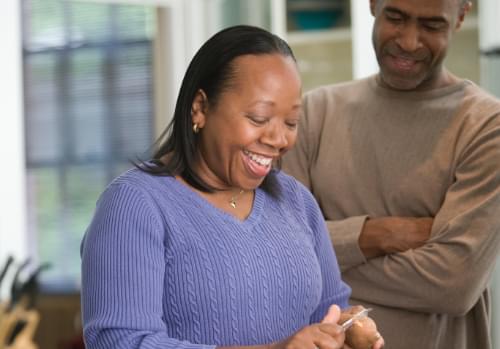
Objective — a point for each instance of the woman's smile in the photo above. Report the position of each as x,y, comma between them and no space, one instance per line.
257,165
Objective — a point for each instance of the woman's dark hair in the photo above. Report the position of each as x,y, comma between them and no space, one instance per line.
212,71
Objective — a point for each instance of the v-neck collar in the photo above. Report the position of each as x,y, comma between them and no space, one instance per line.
254,216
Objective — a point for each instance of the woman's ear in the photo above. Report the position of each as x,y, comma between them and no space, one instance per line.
199,108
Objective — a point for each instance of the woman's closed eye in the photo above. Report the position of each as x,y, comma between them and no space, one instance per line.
258,120
292,124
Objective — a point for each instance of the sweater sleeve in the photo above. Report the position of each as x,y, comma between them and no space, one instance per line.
335,290
344,234
450,272
123,265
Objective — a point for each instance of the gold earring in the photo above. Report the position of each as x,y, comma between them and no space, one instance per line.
195,128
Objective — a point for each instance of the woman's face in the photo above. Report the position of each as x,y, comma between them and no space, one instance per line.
253,122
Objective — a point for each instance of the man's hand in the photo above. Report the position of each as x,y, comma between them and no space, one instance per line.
385,235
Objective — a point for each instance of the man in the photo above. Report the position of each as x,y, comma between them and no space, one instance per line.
406,168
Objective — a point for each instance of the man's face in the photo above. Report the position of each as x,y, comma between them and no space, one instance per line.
411,38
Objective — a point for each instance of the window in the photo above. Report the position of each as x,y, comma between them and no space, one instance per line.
88,111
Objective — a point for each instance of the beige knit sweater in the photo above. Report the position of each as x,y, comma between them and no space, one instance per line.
367,151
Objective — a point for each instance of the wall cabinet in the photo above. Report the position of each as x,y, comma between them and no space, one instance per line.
319,32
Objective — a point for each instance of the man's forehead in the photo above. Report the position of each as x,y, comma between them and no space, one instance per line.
423,8
433,3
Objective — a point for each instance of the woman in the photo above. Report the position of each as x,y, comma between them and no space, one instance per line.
207,245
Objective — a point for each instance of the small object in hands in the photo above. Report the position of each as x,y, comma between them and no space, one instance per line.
361,331
361,314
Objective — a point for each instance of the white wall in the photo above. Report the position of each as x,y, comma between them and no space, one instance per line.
12,180
364,62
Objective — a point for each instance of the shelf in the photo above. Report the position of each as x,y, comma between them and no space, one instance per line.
314,5
313,36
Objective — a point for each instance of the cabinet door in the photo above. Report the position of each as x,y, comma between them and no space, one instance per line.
319,33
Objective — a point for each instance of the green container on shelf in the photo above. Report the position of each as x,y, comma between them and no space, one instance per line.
316,20
315,14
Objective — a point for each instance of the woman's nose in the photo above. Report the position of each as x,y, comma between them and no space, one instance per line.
276,136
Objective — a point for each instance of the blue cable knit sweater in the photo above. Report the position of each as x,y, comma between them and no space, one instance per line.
163,268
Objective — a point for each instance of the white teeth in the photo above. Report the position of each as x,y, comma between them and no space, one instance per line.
261,160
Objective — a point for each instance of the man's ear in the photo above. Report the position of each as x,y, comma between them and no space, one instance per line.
464,9
199,108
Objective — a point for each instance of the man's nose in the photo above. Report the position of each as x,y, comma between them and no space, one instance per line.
408,38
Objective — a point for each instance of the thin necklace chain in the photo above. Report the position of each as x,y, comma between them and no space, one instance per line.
232,202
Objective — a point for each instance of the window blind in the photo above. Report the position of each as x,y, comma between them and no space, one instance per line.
88,111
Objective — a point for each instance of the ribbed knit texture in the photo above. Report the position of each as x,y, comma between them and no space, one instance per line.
163,268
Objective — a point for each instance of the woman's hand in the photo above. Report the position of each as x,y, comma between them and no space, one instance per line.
325,335
363,333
